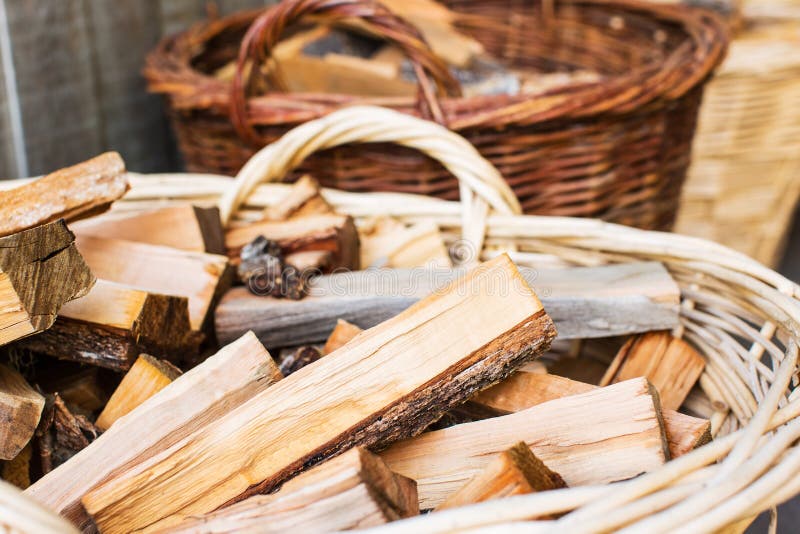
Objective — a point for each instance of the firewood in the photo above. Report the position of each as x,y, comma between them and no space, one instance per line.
342,333
387,384
79,386
294,359
20,514
62,433
146,377
390,243
601,436
315,261
583,302
329,233
198,276
190,228
515,471
352,491
206,393
20,409
302,200
40,270
72,193
524,390
671,364
113,324
17,471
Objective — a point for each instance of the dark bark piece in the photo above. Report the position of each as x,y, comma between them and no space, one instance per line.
72,193
291,360
20,410
40,270
63,434
390,383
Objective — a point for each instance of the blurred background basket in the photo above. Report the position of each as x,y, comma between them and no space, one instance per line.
615,148
744,181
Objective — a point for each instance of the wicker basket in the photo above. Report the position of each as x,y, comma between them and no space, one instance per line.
617,149
743,317
744,181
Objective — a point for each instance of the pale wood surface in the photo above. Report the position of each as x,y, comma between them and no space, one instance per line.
377,389
40,270
146,377
304,198
352,491
20,409
21,514
70,193
583,302
199,396
600,436
670,364
342,333
390,243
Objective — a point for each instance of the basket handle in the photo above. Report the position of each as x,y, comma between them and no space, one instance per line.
265,32
481,184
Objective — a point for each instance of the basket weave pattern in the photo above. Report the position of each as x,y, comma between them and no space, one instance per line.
616,149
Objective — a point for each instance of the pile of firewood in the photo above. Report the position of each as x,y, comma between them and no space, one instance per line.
138,392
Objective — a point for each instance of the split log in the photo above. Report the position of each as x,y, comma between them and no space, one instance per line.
387,384
352,491
524,390
198,276
17,471
515,471
20,514
146,377
342,333
601,436
20,409
113,324
72,193
583,302
670,364
303,199
195,399
329,233
390,243
78,385
186,227
40,270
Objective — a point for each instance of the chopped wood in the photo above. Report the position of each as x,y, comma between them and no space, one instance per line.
62,434
515,471
82,387
40,270
342,333
200,277
303,199
20,410
583,302
524,390
113,324
352,491
17,471
146,377
292,360
390,243
206,393
316,261
387,384
186,227
21,514
670,364
72,193
328,233
604,435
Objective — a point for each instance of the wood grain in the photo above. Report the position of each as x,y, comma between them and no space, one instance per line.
20,409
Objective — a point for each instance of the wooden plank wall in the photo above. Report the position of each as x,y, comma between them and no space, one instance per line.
71,73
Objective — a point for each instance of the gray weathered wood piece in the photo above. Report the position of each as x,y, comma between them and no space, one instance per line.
586,302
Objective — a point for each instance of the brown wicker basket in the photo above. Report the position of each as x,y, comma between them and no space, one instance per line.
615,149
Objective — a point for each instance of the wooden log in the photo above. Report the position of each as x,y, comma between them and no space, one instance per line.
21,514
583,302
387,384
63,434
390,243
523,390
200,277
601,436
79,386
515,471
146,377
330,233
303,199
20,409
342,333
40,270
72,193
206,393
113,324
17,471
186,227
352,491
670,364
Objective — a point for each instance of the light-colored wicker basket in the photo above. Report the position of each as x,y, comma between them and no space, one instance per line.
742,316
744,180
